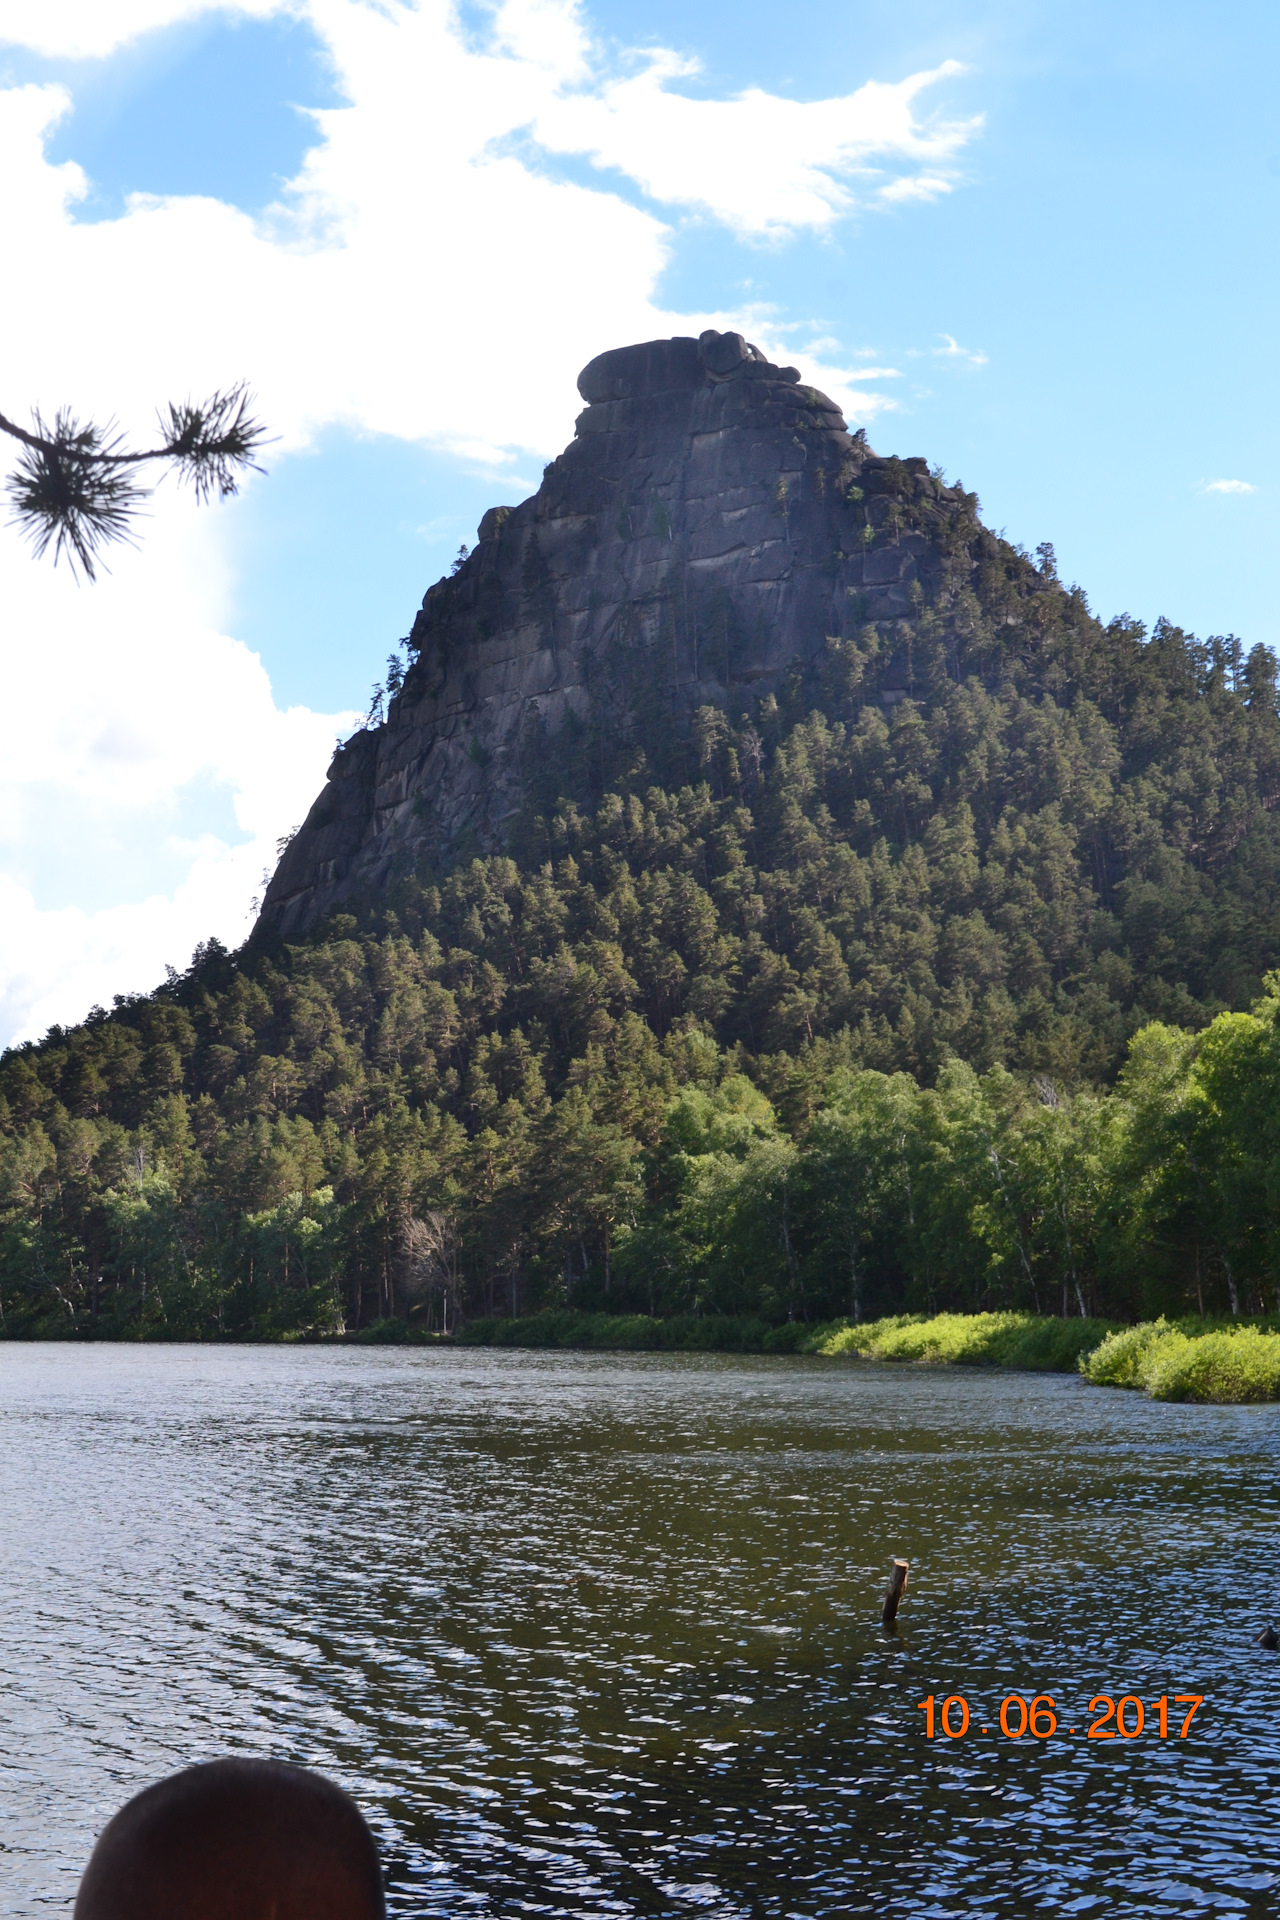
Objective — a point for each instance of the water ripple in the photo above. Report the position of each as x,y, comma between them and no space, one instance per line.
598,1636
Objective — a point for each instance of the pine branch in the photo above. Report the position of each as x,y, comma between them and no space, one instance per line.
75,485
213,444
70,491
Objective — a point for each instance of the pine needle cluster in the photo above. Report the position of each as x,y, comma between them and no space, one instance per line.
77,485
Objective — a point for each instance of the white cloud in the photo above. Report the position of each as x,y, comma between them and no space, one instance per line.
118,698
952,350
55,963
419,279
841,383
1228,486
762,164
915,186
87,29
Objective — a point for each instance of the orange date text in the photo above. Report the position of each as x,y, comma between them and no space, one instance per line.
1040,1719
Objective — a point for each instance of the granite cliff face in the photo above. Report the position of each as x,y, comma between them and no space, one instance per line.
710,525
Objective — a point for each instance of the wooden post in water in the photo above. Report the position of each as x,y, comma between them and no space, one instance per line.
896,1589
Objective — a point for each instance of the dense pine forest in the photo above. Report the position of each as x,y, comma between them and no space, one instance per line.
832,1002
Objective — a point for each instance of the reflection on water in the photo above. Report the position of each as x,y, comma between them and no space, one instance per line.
598,1636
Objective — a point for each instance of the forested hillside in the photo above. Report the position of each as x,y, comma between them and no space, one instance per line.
824,1007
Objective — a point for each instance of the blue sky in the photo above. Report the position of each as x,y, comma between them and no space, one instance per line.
1051,267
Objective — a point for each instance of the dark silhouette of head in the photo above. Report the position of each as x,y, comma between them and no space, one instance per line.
235,1840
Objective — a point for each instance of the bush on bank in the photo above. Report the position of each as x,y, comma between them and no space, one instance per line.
1020,1340
632,1333
1222,1365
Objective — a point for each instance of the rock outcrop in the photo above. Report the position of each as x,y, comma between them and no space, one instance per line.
710,525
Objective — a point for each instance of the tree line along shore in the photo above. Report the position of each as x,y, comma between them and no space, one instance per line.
989,1194
822,1011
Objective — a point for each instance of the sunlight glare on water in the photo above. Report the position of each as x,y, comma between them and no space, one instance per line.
599,1635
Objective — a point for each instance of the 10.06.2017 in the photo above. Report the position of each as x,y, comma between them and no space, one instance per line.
1124,1718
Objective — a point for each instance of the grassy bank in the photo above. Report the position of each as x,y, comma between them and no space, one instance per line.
1186,1360
1190,1360
979,1340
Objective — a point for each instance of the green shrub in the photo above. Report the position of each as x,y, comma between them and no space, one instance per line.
972,1339
563,1328
1224,1365
1121,1360
388,1333
848,1337
1227,1368
793,1337
1020,1340
717,1333
1046,1345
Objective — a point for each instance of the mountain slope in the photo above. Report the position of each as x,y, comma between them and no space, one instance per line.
564,970
709,526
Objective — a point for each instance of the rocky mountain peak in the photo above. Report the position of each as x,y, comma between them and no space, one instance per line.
709,528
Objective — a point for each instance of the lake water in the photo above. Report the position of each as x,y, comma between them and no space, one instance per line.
597,1635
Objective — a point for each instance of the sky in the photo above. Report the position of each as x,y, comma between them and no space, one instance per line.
1034,243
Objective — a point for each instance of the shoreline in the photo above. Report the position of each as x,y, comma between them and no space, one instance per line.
1212,1362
